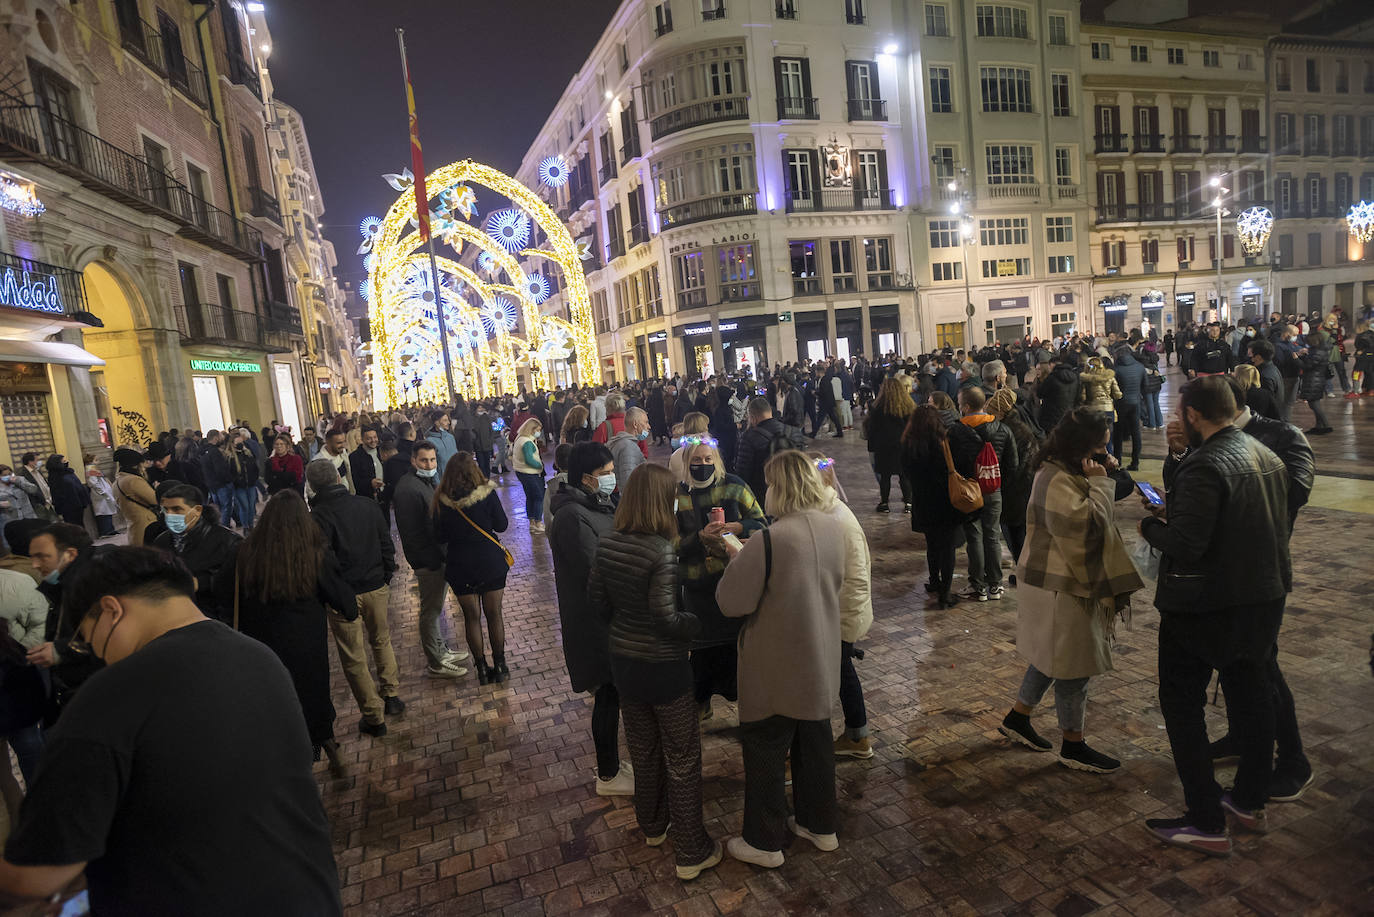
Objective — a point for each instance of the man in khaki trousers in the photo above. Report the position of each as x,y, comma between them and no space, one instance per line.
358,535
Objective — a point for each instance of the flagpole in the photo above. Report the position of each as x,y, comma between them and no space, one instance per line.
422,216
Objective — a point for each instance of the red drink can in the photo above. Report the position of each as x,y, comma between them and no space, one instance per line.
717,514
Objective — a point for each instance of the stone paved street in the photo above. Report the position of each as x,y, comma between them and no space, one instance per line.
480,800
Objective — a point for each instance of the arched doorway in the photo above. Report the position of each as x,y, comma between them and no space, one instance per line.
127,394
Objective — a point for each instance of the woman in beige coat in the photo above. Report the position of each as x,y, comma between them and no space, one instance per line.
133,494
1074,578
786,583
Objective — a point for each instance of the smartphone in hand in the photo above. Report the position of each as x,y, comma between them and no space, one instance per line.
1149,493
735,544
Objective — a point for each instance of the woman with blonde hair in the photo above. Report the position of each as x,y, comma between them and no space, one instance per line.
705,486
634,580
883,428
469,514
576,426
787,586
1258,399
694,424
529,469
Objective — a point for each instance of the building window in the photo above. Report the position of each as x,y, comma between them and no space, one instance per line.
854,12
1063,165
842,265
1113,254
937,20
1149,251
1314,75
944,233
1140,54
690,274
653,292
1010,164
738,277
599,313
1005,89
1342,76
1004,231
1175,55
1102,50
1062,323
942,157
1314,249
806,273
1185,251
802,178
1058,229
1243,61
1210,58
1061,264
878,263
1060,97
663,19
946,270
1006,267
941,99
1283,197
1059,30
787,9
1283,75
794,87
1342,192
1002,22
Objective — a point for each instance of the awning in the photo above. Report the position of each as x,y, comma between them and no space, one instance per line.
47,352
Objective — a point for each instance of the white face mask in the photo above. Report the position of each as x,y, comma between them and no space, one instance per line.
605,484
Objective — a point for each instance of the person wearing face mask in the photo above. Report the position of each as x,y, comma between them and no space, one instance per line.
702,553
207,721
627,445
69,496
197,539
59,553
411,501
14,500
37,486
582,514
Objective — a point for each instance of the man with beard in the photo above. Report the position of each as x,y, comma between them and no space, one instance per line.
1224,575
1212,355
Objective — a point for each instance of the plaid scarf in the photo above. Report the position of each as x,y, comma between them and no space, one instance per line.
1072,544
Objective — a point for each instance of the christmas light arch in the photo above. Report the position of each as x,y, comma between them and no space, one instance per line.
486,357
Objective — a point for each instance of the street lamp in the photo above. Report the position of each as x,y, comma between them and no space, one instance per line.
957,188
1221,211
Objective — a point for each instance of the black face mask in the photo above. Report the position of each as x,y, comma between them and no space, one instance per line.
703,473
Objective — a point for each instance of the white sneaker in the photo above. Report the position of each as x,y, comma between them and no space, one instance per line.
622,784
688,873
746,852
536,528
445,671
826,842
453,656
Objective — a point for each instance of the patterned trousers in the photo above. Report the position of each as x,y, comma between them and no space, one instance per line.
665,748
767,744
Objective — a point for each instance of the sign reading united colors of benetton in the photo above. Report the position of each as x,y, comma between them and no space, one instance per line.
224,366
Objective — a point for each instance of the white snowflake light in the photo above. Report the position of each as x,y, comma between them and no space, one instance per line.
553,171
510,229
1253,225
486,262
1361,221
537,287
499,315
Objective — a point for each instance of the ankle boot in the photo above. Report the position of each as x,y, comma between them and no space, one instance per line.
484,673
498,665
336,763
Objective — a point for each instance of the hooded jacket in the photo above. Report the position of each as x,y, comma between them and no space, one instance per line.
1100,391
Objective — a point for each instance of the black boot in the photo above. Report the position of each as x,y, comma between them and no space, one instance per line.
483,670
336,762
498,668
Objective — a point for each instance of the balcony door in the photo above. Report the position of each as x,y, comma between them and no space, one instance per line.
802,172
155,155
870,179
54,98
1108,118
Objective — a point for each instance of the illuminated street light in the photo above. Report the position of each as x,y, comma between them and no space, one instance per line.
1361,221
1254,225
890,48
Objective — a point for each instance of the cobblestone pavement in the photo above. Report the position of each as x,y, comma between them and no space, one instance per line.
480,800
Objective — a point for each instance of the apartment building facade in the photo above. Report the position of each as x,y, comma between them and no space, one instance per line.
1321,98
741,170
1001,233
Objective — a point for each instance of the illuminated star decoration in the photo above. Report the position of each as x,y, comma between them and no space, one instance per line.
510,229
537,287
22,198
370,227
499,315
365,290
1361,220
486,262
1254,224
402,181
553,171
584,248
462,199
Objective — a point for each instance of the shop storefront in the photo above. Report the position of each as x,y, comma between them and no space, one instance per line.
1251,301
1114,313
229,389
657,366
1010,320
885,330
288,396
1184,306
849,332
744,341
813,335
697,349
1152,314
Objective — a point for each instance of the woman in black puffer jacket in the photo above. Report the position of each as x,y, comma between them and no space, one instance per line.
635,582
1315,360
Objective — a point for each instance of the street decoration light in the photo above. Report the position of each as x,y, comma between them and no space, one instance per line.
1361,221
1254,224
480,307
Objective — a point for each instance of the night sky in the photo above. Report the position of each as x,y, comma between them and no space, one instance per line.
486,75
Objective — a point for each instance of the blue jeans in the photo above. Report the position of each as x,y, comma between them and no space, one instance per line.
533,485
223,499
1070,696
983,531
1151,415
246,505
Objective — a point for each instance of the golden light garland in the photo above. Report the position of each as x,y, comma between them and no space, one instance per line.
486,360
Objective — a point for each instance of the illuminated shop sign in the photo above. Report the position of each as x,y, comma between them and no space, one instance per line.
225,366
30,290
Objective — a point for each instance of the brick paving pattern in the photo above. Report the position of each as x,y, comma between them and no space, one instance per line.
481,801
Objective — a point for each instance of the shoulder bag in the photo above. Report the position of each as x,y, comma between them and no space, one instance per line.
964,495
510,560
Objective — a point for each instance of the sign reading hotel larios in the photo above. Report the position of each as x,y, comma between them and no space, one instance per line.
31,290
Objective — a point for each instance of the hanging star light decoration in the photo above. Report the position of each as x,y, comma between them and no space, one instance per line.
401,181
499,315
370,227
584,248
1254,224
510,229
537,287
553,171
1361,221
486,262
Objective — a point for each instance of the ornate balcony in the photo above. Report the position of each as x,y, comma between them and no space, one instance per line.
734,108
711,208
208,323
839,200
867,110
1111,143
798,109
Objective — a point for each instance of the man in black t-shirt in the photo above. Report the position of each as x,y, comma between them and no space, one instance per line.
179,778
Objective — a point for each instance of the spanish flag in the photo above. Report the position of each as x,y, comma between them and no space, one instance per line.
417,163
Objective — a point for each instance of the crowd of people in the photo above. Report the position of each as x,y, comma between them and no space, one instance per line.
734,568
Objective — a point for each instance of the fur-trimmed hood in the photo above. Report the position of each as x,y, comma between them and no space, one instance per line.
477,496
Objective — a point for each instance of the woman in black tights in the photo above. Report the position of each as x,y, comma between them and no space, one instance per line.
924,462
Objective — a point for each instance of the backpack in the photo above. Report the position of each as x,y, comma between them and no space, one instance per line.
987,468
780,443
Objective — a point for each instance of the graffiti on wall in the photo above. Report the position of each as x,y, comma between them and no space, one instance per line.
131,428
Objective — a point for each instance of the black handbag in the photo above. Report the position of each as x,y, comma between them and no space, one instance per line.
1153,382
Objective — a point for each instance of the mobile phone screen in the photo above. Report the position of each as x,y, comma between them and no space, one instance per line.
1149,493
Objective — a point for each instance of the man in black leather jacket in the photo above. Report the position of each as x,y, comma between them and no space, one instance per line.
356,531
1224,575
1292,771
